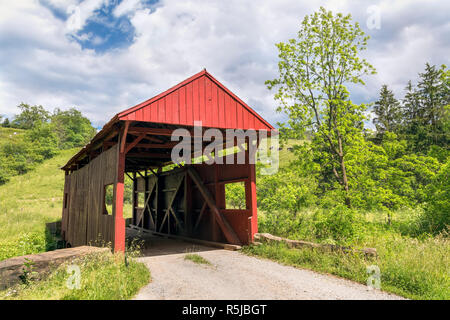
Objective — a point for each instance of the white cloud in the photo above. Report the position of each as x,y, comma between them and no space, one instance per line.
233,39
79,13
127,7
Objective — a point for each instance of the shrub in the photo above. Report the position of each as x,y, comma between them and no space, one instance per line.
437,209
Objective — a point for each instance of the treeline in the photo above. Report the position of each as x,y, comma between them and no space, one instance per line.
404,163
421,118
36,134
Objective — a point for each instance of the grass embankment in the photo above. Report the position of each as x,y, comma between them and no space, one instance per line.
102,277
416,268
27,203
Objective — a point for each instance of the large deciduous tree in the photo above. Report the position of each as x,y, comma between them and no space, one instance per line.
72,128
314,71
29,116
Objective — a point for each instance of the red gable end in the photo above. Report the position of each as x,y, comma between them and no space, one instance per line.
198,98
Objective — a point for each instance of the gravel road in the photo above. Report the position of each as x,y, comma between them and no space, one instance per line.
233,275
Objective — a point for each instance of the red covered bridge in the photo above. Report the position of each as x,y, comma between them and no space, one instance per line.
187,200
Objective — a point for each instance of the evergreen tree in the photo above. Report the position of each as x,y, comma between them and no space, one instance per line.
424,108
388,112
6,123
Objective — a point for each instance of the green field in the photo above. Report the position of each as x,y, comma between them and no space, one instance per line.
27,203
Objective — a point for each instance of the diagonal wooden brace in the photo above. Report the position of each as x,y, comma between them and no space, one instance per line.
221,220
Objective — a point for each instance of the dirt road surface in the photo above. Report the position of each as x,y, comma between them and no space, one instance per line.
233,275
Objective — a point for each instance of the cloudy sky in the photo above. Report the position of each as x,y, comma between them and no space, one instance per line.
103,56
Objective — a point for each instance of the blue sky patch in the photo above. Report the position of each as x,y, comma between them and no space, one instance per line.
102,31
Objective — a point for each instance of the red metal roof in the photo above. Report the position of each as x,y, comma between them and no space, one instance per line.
198,98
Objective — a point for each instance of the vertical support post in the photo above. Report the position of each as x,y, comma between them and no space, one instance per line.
217,198
145,217
188,203
119,222
251,192
134,198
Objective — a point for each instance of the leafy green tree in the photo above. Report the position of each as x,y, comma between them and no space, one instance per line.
292,188
6,123
314,69
437,211
387,111
72,128
43,139
29,115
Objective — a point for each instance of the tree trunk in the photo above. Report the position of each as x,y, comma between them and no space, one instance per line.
345,181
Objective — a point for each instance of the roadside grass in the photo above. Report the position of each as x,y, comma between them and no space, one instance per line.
413,267
103,277
196,258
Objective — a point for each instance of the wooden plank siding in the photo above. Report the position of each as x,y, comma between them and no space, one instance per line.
84,221
199,98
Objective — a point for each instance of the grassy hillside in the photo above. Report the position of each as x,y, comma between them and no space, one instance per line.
27,203
8,135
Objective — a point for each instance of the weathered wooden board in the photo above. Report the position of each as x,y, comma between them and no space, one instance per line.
84,219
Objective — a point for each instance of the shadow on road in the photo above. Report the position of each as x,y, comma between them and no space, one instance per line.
154,245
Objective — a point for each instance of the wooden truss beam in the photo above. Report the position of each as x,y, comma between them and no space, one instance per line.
170,209
135,142
220,218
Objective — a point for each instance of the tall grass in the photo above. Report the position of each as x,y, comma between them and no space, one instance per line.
103,277
413,265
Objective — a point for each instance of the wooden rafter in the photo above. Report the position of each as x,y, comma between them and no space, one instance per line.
167,145
135,142
149,155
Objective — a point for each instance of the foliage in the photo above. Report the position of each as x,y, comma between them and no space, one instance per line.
437,210
72,128
314,71
28,271
235,195
386,176
292,188
29,116
387,111
6,123
425,108
45,134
